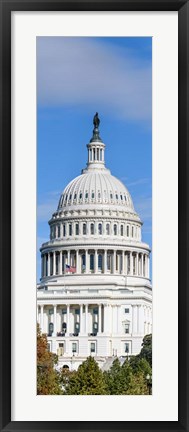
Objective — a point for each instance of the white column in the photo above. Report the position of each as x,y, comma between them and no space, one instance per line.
86,318
68,257
137,264
68,319
123,263
126,263
86,262
105,261
141,264
140,319
106,318
77,261
100,318
41,318
134,319
81,319
131,263
54,320
60,263
54,263
49,263
114,261
119,328
148,266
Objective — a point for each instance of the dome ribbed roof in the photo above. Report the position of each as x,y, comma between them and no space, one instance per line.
96,187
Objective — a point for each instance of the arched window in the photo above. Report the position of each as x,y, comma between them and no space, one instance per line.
107,229
86,195
115,229
116,196
100,228
99,262
92,228
84,229
70,229
127,230
80,195
100,154
75,196
92,195
77,229
121,230
132,231
92,262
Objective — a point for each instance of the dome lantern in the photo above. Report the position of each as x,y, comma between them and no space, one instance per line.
95,147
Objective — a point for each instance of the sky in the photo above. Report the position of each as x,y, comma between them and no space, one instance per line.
77,76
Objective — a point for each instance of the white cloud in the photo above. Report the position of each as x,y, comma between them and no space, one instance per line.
143,206
87,72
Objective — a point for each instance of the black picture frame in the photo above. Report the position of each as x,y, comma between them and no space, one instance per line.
6,7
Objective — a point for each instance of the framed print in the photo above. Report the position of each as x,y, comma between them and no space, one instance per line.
83,299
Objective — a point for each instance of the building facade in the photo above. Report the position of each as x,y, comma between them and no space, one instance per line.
94,296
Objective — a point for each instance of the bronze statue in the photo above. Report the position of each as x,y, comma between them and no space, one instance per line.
96,120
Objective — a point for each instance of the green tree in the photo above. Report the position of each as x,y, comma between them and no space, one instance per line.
87,380
146,351
48,382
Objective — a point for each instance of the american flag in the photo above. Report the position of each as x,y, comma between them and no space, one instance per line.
70,269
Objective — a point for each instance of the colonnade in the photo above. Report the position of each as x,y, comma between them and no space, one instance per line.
95,261
92,319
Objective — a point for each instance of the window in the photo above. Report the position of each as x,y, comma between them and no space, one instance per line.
126,328
64,311
107,229
121,230
64,230
92,228
95,311
126,310
108,261
92,196
84,229
127,230
100,228
80,195
83,261
125,198
132,231
77,311
97,154
74,347
111,196
99,195
126,347
100,154
70,196
115,229
58,230
100,262
50,311
70,229
75,196
116,196
121,196
51,328
91,262
92,347
77,229
86,195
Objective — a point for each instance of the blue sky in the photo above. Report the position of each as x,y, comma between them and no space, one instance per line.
75,78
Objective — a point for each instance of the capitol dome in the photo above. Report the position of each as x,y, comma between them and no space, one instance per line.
94,188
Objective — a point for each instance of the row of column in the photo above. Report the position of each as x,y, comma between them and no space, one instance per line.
129,263
109,320
69,229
